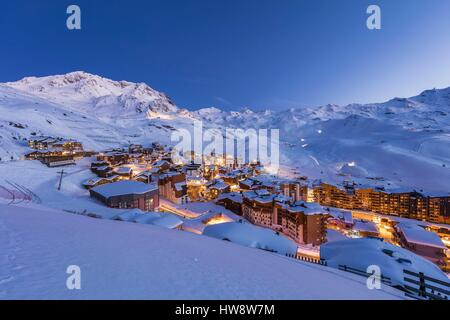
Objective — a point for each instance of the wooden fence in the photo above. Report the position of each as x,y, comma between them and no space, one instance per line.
417,285
425,287
307,259
385,280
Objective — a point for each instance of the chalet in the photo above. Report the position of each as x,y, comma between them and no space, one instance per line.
231,201
258,169
219,169
127,194
210,171
160,166
58,161
168,158
157,146
39,155
93,182
103,172
114,157
172,186
68,145
365,228
41,143
422,242
97,164
217,187
341,218
145,177
233,177
45,143
248,184
137,158
135,148
192,169
124,172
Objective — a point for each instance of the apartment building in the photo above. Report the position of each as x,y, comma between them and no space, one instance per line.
301,221
411,205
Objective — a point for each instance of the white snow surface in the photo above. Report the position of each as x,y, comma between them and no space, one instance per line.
252,236
121,260
392,260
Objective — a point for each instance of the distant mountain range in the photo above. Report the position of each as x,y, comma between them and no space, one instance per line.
403,143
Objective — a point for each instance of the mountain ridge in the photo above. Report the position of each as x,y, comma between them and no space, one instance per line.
393,140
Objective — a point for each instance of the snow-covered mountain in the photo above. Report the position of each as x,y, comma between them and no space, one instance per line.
85,92
401,143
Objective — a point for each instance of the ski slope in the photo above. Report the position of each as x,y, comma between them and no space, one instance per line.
120,260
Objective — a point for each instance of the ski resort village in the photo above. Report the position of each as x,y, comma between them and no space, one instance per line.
89,177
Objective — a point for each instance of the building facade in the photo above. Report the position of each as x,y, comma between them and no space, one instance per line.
303,222
411,205
127,194
173,187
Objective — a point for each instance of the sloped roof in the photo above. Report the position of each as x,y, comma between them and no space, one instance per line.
124,187
416,234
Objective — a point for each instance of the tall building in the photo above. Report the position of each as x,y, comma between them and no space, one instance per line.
301,221
411,205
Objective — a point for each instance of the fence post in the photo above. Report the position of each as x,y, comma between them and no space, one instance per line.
422,288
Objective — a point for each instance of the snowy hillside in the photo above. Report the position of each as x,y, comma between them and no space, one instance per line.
120,260
400,144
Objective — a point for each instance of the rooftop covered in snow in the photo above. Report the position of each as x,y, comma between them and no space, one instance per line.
124,187
418,235
365,226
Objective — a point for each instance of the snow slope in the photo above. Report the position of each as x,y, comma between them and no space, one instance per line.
404,143
120,260
392,260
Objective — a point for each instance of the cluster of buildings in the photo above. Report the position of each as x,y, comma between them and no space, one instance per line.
280,205
154,166
138,177
423,243
412,205
126,179
56,152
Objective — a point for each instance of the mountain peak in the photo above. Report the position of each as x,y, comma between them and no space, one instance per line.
87,91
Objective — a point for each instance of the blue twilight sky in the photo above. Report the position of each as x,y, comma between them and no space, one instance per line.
236,53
